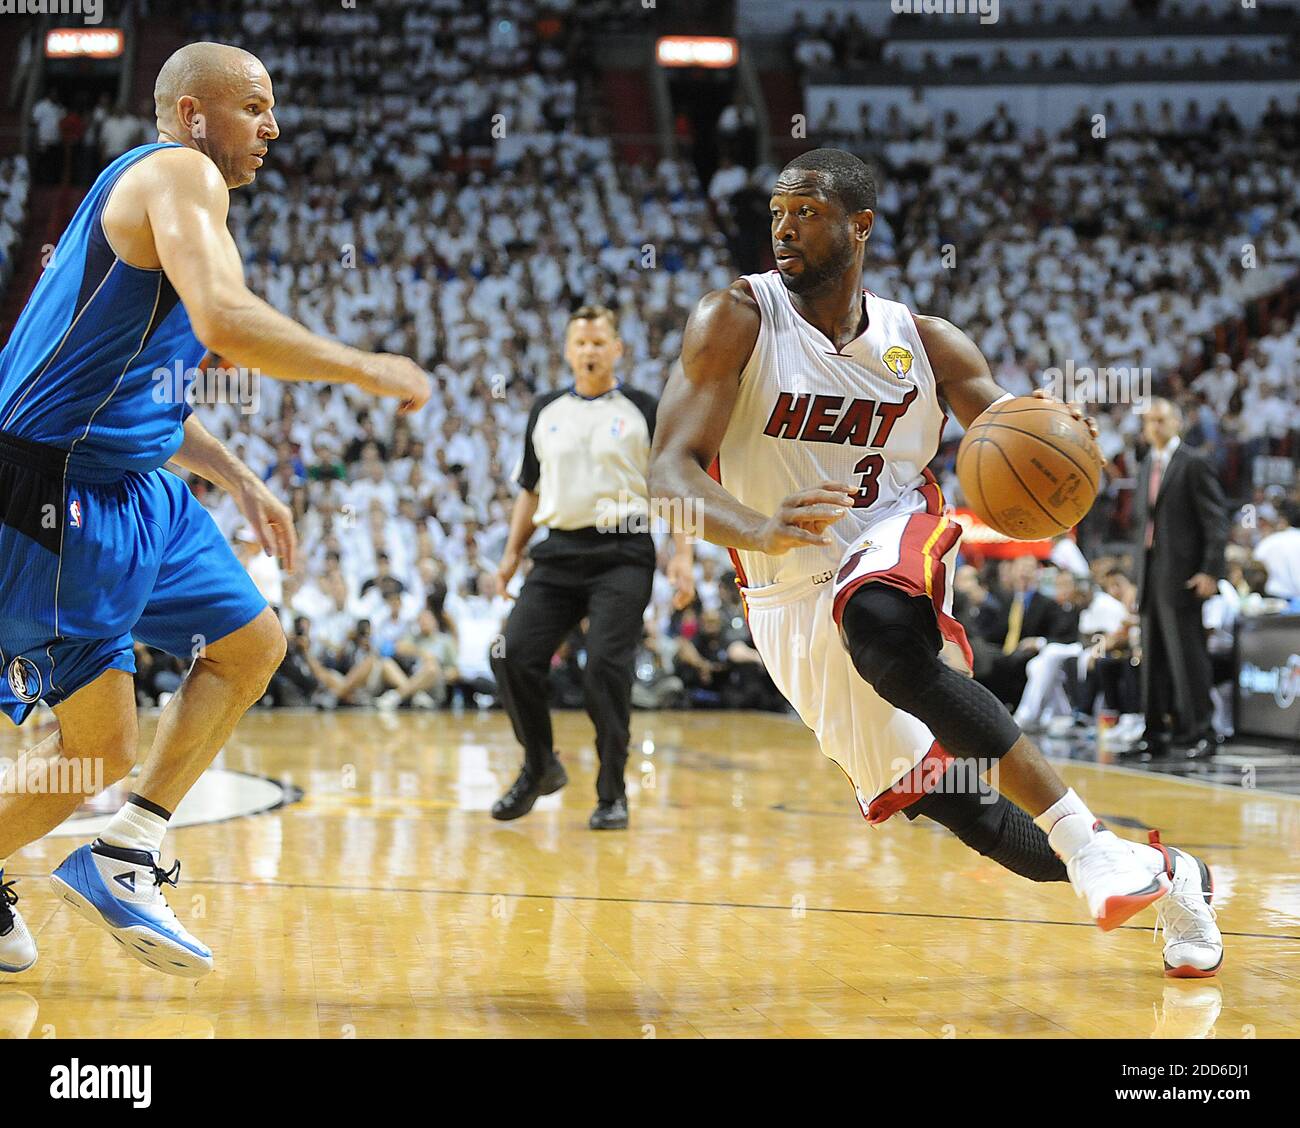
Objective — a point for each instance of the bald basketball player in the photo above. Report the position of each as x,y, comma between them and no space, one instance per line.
99,544
801,421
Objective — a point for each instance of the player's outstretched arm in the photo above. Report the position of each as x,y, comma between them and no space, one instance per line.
693,417
186,203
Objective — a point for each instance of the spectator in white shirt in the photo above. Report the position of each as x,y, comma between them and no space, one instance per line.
1279,552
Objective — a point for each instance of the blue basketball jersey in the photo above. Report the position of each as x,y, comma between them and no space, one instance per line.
102,354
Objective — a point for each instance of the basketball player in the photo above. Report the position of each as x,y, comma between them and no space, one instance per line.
98,543
801,419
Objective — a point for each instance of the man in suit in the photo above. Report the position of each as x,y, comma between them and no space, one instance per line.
1182,530
1027,620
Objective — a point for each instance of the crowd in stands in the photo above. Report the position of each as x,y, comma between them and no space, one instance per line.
14,186
847,43
393,222
74,140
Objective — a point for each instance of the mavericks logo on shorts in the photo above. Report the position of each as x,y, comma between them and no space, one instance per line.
25,680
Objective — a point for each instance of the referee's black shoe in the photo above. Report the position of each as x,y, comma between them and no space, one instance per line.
610,814
526,790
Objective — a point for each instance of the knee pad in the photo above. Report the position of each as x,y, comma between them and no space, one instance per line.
895,663
894,641
886,635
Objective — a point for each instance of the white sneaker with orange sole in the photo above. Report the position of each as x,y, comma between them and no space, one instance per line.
1193,942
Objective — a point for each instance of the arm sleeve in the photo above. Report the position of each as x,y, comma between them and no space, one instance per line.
647,405
529,470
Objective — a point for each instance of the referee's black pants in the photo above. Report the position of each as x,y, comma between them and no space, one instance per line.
605,577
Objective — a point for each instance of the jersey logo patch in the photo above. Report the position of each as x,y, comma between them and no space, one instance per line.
25,680
898,360
618,428
74,512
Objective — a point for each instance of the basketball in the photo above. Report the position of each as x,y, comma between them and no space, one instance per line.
1029,468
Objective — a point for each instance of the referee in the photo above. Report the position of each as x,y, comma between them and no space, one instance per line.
582,476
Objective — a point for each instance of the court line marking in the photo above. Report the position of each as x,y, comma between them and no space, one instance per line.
676,902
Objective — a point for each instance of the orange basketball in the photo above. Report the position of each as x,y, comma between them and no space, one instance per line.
1029,468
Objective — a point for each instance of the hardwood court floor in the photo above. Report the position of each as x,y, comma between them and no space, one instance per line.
748,898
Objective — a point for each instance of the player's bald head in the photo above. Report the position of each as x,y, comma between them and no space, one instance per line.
203,71
218,99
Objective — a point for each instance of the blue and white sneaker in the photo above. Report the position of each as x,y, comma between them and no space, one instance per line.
121,891
17,948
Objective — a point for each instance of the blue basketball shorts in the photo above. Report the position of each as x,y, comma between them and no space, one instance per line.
89,567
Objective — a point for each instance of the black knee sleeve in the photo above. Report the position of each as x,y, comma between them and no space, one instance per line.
894,642
993,826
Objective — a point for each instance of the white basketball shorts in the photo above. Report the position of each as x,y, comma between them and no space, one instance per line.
889,756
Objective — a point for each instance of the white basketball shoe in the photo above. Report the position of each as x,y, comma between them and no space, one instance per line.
1193,942
121,891
17,948
1114,882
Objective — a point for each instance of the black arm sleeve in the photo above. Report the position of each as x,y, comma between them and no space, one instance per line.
647,405
529,470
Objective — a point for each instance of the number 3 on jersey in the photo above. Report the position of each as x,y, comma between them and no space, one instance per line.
869,468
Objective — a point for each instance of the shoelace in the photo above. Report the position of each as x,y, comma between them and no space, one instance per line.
8,898
1187,923
167,877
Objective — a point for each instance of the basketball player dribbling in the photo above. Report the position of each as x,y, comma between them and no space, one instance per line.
99,545
801,420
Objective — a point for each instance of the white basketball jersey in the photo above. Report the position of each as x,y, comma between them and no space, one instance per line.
868,414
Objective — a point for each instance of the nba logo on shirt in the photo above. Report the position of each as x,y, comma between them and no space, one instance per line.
74,511
618,428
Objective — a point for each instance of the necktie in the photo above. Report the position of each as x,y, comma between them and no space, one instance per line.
1015,620
1153,492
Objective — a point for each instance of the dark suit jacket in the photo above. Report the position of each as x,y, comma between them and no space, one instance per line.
1043,619
1191,528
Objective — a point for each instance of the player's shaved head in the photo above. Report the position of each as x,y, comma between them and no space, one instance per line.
218,99
201,70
